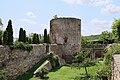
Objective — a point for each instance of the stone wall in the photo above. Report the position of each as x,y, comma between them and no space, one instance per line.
18,61
115,67
64,51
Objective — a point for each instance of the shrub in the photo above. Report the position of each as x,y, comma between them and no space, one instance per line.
3,75
104,72
44,71
23,46
113,49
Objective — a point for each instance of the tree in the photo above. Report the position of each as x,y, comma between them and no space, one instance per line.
106,36
36,39
116,29
24,36
48,39
1,31
29,40
5,38
21,35
45,36
10,32
1,24
81,59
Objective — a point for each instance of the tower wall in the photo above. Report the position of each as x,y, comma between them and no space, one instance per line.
65,31
66,34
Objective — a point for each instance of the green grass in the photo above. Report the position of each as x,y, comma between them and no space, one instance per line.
29,73
68,73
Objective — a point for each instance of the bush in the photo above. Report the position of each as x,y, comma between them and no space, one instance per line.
3,75
23,46
113,49
104,72
44,71
54,60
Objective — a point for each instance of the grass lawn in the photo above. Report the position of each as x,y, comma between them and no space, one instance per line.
68,73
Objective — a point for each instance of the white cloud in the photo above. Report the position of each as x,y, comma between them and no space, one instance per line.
92,2
110,9
77,1
30,14
101,2
101,25
28,21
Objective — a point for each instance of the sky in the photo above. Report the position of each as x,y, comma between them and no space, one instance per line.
35,15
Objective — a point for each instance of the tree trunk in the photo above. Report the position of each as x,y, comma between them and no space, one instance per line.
86,71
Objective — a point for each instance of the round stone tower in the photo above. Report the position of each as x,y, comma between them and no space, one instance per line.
65,31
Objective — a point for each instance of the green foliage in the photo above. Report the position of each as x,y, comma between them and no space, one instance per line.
48,39
91,37
5,38
10,32
3,75
104,72
22,35
45,36
1,35
111,50
54,60
116,29
1,24
105,36
22,46
85,43
44,72
81,59
36,39
29,40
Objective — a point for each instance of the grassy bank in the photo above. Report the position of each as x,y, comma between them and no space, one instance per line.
68,73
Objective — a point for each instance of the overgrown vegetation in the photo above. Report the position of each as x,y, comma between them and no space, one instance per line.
53,60
36,39
22,46
3,74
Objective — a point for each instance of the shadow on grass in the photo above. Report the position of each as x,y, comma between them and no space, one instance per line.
55,69
45,78
87,78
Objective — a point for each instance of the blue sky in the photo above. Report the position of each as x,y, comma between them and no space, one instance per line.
34,15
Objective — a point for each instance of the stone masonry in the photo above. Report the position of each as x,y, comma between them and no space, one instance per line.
115,67
65,36
17,62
